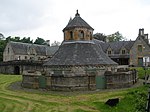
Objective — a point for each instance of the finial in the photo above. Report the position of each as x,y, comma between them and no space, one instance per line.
77,14
70,20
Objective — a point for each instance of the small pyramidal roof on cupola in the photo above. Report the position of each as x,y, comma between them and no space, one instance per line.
77,22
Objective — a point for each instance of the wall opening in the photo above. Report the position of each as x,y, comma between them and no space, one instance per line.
17,70
71,35
81,35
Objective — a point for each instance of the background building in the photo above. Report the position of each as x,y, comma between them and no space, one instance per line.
26,51
128,52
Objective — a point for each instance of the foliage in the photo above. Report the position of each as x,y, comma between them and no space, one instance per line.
26,40
138,98
39,41
100,36
2,46
116,37
132,101
141,71
1,36
18,39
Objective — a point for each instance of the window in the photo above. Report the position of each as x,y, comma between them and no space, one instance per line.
33,52
19,58
140,48
81,35
109,52
140,61
90,36
71,35
8,50
123,51
25,57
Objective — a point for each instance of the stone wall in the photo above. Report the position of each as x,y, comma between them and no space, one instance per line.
79,78
73,83
74,78
120,79
76,32
30,79
18,67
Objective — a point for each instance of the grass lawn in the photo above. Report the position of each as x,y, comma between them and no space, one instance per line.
23,101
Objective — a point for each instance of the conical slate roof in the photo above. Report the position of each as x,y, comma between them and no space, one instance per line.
77,22
79,53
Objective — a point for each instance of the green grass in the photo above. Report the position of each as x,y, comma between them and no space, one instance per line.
36,101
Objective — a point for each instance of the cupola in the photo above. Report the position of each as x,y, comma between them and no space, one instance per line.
78,30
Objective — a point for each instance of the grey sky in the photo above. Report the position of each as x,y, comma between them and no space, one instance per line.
47,18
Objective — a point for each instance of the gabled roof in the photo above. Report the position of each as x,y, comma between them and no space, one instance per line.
79,53
115,46
77,22
141,37
23,48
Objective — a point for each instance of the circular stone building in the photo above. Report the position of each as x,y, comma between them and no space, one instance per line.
79,63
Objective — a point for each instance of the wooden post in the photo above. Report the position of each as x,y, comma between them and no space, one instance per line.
148,102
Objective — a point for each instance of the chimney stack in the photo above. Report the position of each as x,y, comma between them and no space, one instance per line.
141,32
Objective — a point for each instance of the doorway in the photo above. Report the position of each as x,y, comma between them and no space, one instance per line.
17,70
100,82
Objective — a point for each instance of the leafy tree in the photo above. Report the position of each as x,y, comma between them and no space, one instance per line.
39,41
100,36
26,40
15,39
111,38
1,36
56,43
116,37
2,47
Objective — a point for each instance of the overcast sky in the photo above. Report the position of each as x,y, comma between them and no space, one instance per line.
47,18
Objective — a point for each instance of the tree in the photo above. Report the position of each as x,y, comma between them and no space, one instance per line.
100,36
26,40
1,36
116,37
2,47
39,41
56,43
15,39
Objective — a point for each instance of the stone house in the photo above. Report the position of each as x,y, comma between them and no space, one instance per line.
25,51
140,51
128,52
19,57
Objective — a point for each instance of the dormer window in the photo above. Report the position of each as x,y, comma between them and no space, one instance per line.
109,52
123,51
